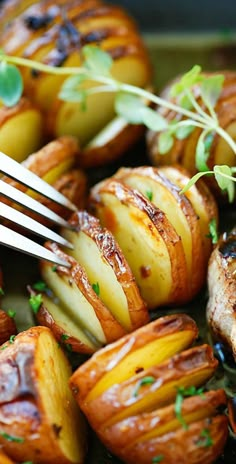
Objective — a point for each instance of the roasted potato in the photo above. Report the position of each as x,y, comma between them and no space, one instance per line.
21,129
98,253
83,310
39,420
129,394
4,459
7,327
163,234
40,31
183,151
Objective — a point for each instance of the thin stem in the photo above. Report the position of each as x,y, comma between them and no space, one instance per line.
188,122
197,106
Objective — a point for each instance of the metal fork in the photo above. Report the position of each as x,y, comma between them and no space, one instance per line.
15,240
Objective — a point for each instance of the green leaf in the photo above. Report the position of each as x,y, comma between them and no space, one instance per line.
187,81
40,286
183,131
73,82
148,380
11,84
149,195
11,438
223,176
97,60
185,102
211,88
157,459
129,107
35,302
153,120
205,439
11,313
193,180
202,155
96,288
165,142
213,234
12,339
64,337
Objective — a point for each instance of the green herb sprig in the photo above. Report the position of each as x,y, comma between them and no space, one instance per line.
183,392
130,104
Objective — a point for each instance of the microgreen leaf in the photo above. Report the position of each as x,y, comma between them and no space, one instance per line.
211,89
213,234
187,81
11,313
202,150
40,286
148,380
96,288
11,437
157,459
149,195
165,142
185,102
226,182
183,131
97,60
129,107
11,84
35,302
193,180
205,439
70,89
153,120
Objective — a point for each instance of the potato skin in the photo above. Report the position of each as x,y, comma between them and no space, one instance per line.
7,326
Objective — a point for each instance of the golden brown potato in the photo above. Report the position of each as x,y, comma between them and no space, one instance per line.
76,308
7,327
21,129
106,267
141,395
4,459
183,151
42,33
148,240
39,420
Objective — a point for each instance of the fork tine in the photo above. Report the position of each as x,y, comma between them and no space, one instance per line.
21,198
18,172
18,242
30,224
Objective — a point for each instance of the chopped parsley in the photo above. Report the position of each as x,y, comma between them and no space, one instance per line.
35,302
11,438
54,268
12,338
96,288
213,234
157,459
183,392
65,337
149,380
40,286
149,195
11,313
205,439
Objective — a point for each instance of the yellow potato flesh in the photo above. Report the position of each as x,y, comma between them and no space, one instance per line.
197,202
149,355
175,423
21,134
74,303
224,153
164,200
98,270
161,396
143,248
58,403
67,322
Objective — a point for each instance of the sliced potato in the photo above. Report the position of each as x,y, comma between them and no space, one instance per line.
201,199
112,141
21,129
80,301
90,22
133,396
39,420
151,425
141,396
98,253
179,211
149,345
149,242
185,446
5,459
